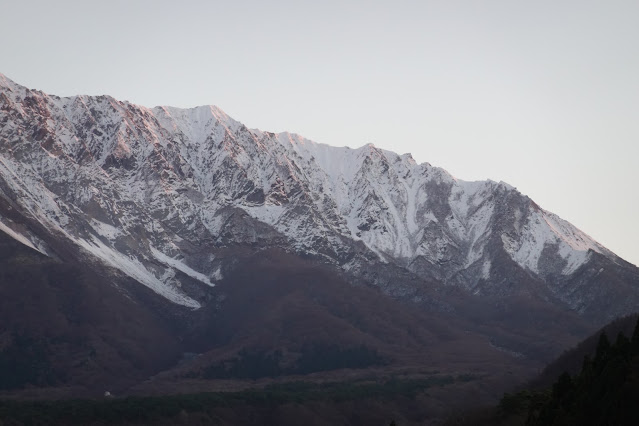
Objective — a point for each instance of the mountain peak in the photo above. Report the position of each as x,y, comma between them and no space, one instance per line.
140,188
7,83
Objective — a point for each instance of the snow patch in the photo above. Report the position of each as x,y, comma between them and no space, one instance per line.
485,269
19,237
217,274
174,263
134,269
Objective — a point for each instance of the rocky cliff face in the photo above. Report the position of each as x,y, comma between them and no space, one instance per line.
170,197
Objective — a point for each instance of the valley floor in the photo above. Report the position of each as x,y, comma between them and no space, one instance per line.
417,400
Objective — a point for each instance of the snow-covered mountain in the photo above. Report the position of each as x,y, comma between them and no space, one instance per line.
170,197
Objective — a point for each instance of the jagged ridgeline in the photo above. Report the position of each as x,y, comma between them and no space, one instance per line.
163,194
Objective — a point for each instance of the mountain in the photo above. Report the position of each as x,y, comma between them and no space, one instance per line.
173,207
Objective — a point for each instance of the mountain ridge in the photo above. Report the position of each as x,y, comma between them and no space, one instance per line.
181,237
149,190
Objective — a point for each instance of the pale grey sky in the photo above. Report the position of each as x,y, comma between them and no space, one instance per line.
543,95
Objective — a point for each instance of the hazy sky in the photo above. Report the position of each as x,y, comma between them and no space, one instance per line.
541,94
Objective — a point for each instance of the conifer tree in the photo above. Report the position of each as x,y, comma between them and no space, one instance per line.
602,349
